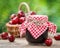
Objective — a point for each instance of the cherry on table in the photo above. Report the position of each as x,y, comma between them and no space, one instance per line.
11,38
48,41
4,35
57,37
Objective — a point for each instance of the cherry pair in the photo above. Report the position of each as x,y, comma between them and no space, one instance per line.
5,36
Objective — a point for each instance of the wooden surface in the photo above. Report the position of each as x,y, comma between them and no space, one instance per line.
22,43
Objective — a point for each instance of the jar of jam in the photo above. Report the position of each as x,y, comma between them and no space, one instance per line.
37,30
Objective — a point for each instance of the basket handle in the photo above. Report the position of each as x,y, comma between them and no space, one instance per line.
24,3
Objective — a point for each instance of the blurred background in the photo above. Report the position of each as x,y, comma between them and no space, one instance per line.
45,7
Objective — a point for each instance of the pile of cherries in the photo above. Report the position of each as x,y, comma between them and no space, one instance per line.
19,18
6,36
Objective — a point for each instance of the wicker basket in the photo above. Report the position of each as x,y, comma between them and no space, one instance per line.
14,29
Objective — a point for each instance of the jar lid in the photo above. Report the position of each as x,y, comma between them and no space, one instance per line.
37,18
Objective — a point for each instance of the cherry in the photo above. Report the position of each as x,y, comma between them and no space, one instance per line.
57,37
14,20
20,14
13,16
4,35
21,20
32,13
11,38
48,42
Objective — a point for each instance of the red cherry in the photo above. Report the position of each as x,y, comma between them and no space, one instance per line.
20,14
12,16
48,42
11,38
32,13
15,20
21,20
57,37
4,35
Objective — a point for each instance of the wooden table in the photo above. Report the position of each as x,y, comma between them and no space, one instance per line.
22,43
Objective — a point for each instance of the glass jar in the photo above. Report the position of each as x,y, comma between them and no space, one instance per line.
40,39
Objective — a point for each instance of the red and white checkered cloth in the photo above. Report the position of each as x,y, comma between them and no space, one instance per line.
22,28
37,30
40,18
52,27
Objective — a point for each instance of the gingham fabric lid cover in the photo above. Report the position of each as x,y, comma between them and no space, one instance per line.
37,18
37,25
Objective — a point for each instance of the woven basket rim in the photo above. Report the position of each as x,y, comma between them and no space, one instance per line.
13,25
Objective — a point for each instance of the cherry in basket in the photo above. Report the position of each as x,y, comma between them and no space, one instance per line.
21,20
32,13
20,14
14,20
